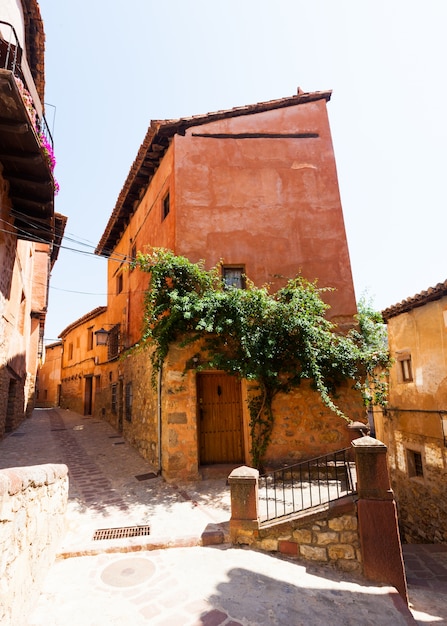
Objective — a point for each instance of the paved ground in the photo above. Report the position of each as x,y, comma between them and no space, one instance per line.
133,581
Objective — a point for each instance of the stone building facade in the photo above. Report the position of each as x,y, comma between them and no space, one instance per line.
48,383
255,190
414,426
30,230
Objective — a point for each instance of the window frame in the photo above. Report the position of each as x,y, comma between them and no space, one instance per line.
415,463
128,401
403,357
234,268
165,205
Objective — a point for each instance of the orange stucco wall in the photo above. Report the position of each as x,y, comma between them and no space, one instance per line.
49,377
146,228
270,204
415,422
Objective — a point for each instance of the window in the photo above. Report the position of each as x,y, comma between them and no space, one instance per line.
165,207
128,400
414,462
70,351
233,276
90,338
113,388
133,256
405,373
119,283
113,342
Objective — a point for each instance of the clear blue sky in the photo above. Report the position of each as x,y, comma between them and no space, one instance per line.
113,66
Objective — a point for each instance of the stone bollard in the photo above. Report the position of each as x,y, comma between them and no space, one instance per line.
377,516
244,522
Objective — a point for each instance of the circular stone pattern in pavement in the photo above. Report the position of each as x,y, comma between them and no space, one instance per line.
128,572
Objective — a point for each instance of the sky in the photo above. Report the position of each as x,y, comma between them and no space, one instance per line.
112,67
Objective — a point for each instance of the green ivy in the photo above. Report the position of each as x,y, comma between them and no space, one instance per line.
275,340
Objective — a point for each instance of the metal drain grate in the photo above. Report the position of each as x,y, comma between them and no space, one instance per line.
121,533
141,477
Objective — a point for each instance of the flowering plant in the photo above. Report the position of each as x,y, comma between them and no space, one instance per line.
44,143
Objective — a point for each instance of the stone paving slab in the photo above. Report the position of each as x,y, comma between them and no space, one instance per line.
112,486
105,485
426,570
209,587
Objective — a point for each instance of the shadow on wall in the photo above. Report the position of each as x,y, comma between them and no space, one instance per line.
12,394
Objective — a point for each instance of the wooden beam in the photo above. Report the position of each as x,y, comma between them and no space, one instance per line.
30,157
35,204
11,126
31,181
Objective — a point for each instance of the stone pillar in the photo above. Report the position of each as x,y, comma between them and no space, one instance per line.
244,522
377,516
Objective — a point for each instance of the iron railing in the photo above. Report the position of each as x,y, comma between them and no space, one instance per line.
306,485
11,58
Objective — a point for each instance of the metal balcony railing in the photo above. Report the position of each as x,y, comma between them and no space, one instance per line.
13,59
305,485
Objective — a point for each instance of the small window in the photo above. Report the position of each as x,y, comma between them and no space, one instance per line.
405,368
119,283
233,277
133,256
70,351
113,342
415,466
90,338
129,400
404,363
113,388
166,207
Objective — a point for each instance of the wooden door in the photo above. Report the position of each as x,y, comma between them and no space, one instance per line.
219,414
88,395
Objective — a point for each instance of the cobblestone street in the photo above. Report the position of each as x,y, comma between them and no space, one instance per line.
137,580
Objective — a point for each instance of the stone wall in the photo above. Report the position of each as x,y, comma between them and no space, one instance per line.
141,430
354,533
421,499
33,502
327,537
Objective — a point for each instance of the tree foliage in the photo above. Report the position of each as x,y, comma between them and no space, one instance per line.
276,340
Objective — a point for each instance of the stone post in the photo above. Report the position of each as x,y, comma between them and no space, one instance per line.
377,516
244,522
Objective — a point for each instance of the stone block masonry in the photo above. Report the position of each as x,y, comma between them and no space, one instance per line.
354,533
33,502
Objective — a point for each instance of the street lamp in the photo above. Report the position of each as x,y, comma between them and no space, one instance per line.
102,336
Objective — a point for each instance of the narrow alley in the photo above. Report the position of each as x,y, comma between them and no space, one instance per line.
200,579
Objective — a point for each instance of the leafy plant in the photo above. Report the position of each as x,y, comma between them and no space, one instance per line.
275,340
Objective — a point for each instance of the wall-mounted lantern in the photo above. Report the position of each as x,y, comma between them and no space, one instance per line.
102,336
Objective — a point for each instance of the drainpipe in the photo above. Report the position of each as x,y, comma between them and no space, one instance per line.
159,416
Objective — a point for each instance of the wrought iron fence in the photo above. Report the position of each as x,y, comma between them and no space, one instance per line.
11,58
305,485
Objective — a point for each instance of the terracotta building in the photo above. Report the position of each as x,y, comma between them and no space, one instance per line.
252,188
30,232
82,363
414,426
48,383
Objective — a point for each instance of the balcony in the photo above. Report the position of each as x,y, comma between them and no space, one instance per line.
23,133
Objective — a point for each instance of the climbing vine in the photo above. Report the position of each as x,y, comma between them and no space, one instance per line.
275,340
